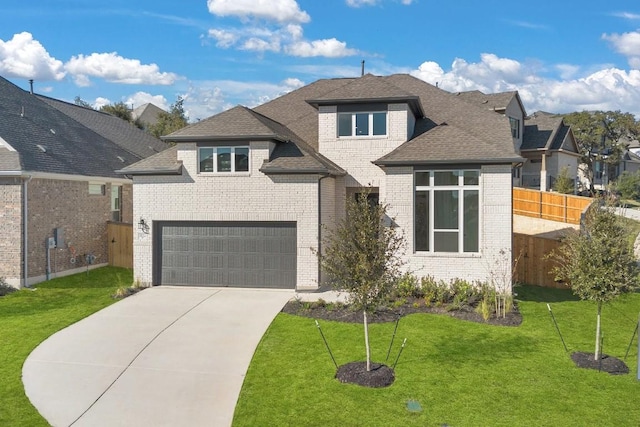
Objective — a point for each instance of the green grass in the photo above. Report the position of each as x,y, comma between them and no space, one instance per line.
28,317
461,373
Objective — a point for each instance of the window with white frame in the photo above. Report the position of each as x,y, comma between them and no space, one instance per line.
362,124
515,127
223,159
447,211
116,204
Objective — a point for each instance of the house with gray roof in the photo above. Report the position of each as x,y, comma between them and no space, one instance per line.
549,147
245,197
58,186
147,114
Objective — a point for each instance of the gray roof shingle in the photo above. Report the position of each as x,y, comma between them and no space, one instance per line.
543,131
48,140
448,128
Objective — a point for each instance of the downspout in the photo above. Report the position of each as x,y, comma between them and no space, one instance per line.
25,234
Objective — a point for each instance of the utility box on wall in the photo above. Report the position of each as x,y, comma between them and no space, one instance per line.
58,235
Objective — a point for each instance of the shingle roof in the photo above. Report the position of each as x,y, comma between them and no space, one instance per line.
48,140
451,128
163,163
492,101
147,113
124,134
544,132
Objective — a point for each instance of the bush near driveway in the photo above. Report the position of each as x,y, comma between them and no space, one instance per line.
30,316
461,373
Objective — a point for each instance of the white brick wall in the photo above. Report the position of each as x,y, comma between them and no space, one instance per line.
194,197
495,226
356,154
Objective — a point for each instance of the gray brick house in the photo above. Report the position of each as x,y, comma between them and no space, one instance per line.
57,181
243,197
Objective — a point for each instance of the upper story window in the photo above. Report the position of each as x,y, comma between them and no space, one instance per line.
362,123
515,127
223,159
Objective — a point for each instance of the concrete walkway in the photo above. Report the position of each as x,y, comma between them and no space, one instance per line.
163,357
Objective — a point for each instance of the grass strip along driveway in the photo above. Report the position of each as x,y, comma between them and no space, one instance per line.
451,372
28,317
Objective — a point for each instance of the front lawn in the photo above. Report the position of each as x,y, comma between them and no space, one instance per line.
28,317
460,373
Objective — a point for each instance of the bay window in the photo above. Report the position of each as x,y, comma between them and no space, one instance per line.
446,211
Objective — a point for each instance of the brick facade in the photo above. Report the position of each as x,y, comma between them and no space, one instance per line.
254,197
52,204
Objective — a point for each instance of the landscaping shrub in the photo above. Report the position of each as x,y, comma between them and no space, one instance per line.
5,289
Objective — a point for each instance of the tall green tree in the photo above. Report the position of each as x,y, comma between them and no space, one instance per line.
119,109
170,121
598,262
601,137
362,257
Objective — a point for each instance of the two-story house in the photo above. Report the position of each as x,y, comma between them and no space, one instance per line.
244,197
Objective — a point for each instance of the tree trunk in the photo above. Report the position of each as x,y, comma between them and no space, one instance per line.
597,355
366,340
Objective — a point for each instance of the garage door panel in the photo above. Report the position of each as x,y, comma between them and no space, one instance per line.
228,254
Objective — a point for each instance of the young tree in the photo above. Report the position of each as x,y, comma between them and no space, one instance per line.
170,122
361,256
564,183
598,262
601,137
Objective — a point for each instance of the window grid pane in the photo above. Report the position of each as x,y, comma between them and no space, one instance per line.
471,216
446,178
422,221
242,159
206,160
362,124
344,125
379,123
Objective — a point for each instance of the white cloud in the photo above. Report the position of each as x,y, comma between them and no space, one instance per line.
141,98
206,98
282,11
329,48
605,89
627,15
359,3
100,102
274,28
24,57
116,69
628,44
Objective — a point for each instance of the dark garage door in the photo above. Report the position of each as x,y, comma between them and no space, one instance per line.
238,254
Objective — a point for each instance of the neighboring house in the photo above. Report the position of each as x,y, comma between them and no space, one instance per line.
549,146
147,114
508,104
57,182
604,173
245,197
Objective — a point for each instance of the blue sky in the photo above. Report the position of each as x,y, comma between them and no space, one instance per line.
561,56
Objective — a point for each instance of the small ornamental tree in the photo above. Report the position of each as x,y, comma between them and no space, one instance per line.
598,262
564,183
361,257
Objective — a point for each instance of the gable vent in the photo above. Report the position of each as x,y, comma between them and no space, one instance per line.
42,148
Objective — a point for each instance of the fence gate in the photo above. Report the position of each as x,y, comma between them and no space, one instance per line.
120,241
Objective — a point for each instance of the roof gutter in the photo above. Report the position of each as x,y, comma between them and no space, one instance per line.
494,161
64,177
175,171
223,138
282,171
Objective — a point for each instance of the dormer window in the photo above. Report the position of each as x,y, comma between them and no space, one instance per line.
362,124
223,159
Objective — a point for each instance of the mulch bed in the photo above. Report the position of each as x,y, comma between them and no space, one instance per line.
344,313
609,364
380,375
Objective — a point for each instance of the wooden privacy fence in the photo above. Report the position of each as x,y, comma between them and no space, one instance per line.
120,241
551,206
531,264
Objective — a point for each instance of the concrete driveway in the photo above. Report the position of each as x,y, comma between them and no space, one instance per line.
166,356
